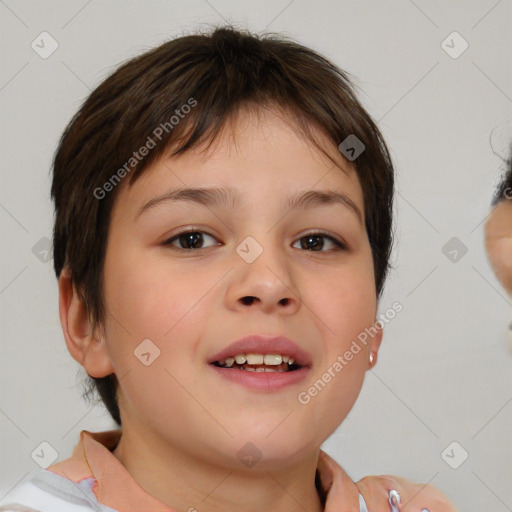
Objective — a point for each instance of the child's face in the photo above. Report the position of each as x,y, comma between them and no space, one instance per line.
498,242
190,303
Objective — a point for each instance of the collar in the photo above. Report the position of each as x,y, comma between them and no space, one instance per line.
116,488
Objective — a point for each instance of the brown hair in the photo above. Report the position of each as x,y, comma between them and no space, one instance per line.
220,71
504,189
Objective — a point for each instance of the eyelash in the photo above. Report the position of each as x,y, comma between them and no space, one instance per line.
338,245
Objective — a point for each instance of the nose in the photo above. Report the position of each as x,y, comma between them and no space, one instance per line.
266,284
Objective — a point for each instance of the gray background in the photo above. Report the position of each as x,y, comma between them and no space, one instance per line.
444,372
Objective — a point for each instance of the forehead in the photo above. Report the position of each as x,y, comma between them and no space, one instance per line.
252,126
261,153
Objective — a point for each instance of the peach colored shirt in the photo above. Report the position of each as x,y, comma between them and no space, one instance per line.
94,471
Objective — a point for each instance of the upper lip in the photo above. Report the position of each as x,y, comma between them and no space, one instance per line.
261,344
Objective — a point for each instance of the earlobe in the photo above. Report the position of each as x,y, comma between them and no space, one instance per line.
83,343
374,345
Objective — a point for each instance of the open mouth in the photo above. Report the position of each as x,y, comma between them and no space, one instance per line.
271,363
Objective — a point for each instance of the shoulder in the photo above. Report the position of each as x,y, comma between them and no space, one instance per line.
375,489
45,491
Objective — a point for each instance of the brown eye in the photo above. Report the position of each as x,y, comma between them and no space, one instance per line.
315,242
188,240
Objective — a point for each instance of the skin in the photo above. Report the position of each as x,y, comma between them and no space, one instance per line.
177,413
498,242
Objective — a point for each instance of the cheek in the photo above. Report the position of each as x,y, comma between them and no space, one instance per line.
345,305
152,302
499,252
149,298
149,301
343,300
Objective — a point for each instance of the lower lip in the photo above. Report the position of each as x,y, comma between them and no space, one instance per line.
262,381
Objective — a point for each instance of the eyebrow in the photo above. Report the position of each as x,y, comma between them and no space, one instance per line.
231,197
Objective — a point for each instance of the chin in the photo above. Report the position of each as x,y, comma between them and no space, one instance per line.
275,450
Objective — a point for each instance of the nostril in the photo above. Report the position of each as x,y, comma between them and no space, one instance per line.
248,300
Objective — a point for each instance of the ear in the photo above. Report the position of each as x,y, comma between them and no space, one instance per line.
84,344
374,344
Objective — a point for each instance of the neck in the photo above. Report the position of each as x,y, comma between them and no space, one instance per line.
183,482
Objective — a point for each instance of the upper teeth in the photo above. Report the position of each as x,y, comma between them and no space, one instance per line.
269,359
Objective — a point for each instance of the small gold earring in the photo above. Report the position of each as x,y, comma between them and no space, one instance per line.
371,359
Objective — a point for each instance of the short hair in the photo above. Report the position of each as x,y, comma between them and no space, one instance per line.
207,77
504,189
